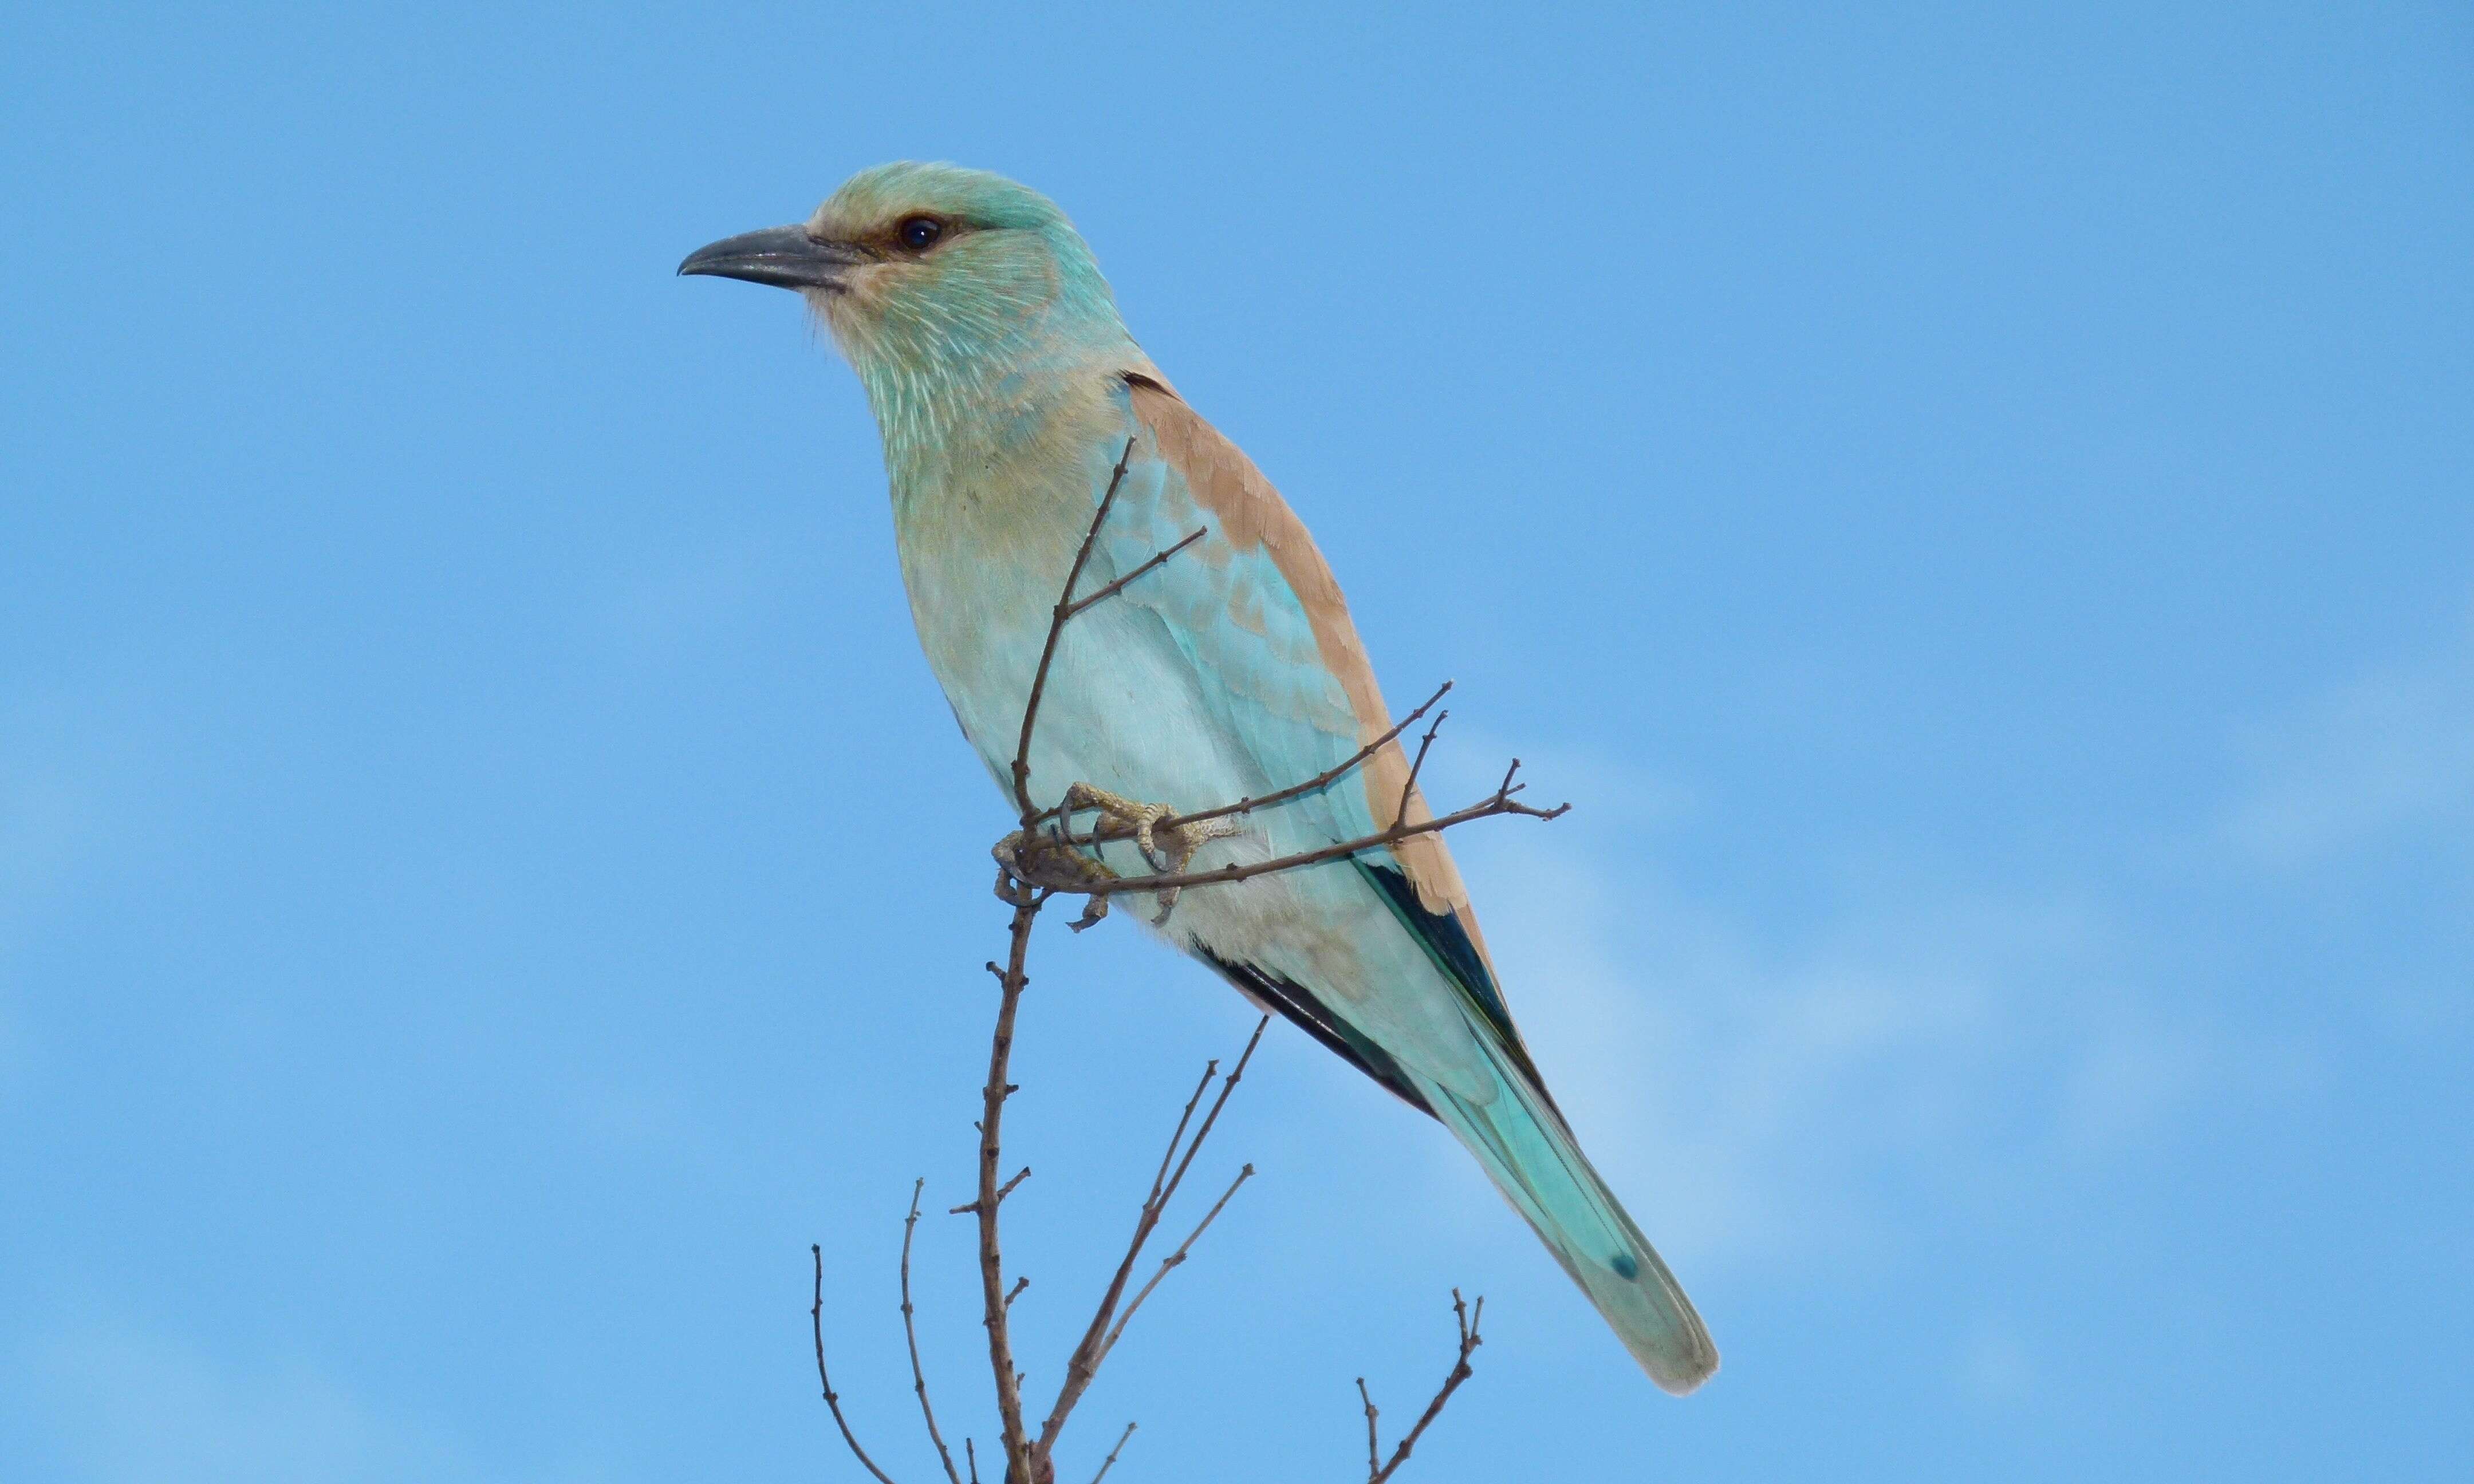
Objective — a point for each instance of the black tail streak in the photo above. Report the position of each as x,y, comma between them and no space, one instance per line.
1449,942
1299,1007
1445,938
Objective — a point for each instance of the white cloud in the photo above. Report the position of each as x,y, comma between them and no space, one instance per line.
2139,1071
1755,1103
2387,755
1764,1097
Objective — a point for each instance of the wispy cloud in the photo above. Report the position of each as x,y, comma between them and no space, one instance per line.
2387,756
1772,1098
1782,1102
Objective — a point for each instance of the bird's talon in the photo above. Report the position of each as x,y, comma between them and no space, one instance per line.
1166,853
1167,905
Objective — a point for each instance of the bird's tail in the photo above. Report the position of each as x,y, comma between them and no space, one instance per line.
1528,1151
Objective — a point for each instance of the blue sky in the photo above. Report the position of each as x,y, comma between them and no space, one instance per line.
1972,505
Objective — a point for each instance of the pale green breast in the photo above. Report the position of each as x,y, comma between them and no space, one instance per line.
987,516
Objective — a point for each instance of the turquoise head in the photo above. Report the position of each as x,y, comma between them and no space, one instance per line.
939,284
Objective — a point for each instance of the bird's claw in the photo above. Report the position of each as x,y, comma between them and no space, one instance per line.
1119,816
1032,862
1167,848
1052,859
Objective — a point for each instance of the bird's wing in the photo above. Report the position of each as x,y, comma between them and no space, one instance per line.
1254,606
1254,611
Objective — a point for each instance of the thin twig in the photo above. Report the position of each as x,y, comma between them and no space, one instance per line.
910,1334
1176,1135
1056,626
816,1323
1011,981
1084,1363
1228,1086
1499,802
1110,1462
967,1207
1373,1448
1155,564
1316,784
1468,1319
1174,1258
971,1454
1409,785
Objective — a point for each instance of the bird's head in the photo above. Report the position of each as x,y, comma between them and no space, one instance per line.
931,273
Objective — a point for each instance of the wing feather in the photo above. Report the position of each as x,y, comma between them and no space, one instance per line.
1260,611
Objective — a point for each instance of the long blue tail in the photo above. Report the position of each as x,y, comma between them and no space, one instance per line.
1533,1158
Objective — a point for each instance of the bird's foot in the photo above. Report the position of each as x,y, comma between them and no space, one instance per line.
1051,857
1168,849
1031,862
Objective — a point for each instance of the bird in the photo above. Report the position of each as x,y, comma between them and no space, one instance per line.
1013,403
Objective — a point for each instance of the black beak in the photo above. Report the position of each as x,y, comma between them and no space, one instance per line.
786,257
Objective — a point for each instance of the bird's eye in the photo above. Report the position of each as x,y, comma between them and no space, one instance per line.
919,233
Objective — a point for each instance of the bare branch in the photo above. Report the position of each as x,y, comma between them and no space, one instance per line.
816,1323
1084,1363
994,1301
911,1335
1409,785
1373,1448
1155,564
1468,1319
1499,802
1110,1461
1064,610
1174,1258
1316,784
971,1454
1176,1135
969,1208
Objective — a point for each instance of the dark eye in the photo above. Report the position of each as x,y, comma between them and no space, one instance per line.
919,233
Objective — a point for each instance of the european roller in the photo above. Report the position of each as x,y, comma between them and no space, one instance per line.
1007,389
